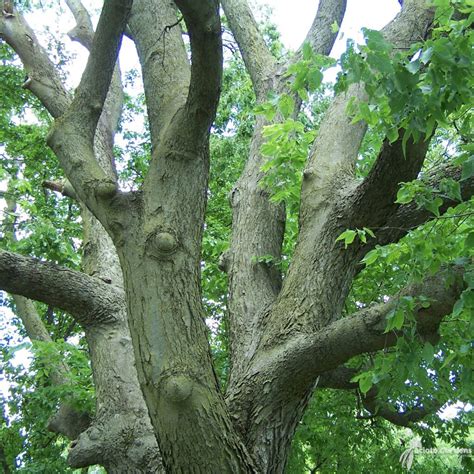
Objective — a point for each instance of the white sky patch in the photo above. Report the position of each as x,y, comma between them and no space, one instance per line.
451,411
294,19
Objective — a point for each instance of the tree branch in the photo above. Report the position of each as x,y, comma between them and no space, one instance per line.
67,421
364,330
410,216
258,224
332,159
83,32
403,418
321,36
163,59
63,187
374,199
327,182
43,78
92,91
203,22
293,364
340,379
72,137
257,57
88,299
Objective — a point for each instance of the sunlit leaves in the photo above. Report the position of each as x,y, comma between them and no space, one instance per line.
413,90
349,235
306,75
286,146
365,381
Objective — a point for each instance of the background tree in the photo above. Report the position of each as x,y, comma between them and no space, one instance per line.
339,278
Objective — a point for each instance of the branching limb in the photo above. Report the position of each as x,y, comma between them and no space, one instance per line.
67,421
176,185
325,205
72,138
403,418
374,199
88,299
203,22
43,79
332,159
293,365
364,330
258,59
322,35
185,137
83,32
258,224
163,59
63,187
340,379
92,91
410,216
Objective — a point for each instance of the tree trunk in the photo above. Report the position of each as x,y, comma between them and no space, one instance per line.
139,299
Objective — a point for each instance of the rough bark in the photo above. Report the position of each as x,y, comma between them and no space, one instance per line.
285,335
162,246
319,277
254,286
157,34
121,436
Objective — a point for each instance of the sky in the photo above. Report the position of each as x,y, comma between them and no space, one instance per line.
294,18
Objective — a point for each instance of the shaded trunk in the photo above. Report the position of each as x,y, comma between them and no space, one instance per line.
121,437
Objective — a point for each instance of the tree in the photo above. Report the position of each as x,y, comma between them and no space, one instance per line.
301,314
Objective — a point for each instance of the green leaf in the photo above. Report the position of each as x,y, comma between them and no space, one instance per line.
398,319
376,41
371,257
286,105
404,195
365,384
405,138
335,27
434,205
315,77
369,231
392,134
458,307
347,236
365,380
426,55
469,242
468,168
266,109
307,51
413,66
428,352
448,360
395,319
362,237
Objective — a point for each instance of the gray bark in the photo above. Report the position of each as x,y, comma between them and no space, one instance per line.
285,336
121,436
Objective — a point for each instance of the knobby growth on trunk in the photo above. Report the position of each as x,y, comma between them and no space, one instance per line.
139,301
